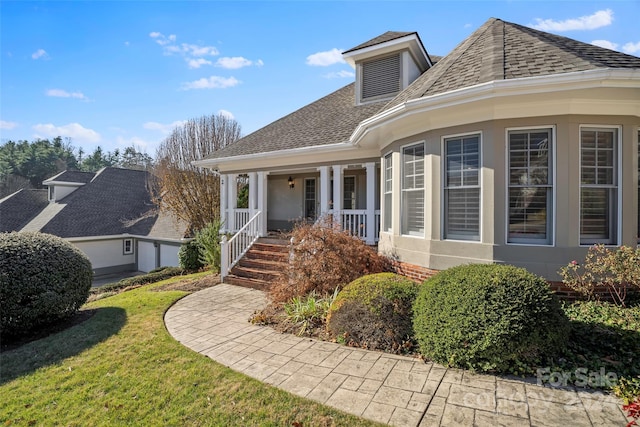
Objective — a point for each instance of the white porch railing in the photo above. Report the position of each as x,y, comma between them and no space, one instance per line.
355,222
241,217
233,249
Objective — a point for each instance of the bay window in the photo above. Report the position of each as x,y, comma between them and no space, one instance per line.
413,190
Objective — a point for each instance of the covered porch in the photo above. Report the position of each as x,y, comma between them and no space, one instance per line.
277,199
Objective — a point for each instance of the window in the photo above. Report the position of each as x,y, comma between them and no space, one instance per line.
349,192
381,77
413,190
598,186
127,246
530,186
388,192
462,188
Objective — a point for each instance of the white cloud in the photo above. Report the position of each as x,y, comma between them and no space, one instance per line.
40,53
467,25
339,74
164,128
127,43
601,18
61,93
324,59
7,125
197,63
606,44
195,50
213,82
235,62
631,47
227,114
73,130
138,143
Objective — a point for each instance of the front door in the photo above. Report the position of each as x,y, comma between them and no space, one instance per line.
310,198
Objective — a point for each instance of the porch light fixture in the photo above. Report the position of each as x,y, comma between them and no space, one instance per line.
291,183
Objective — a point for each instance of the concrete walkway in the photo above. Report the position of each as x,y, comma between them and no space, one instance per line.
396,390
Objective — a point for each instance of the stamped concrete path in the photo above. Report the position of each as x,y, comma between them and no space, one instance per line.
396,390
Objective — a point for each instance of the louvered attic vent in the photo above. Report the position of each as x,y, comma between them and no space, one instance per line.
381,77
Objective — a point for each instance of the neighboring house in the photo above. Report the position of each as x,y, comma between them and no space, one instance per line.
518,147
108,215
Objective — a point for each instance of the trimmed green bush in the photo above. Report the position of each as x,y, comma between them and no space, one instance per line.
189,256
374,312
43,279
489,318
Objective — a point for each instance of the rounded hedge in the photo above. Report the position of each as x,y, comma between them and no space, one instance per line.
374,312
43,279
489,318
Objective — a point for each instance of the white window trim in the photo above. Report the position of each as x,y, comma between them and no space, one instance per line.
424,189
124,247
554,186
383,211
619,178
443,177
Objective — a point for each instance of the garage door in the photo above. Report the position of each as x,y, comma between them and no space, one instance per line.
146,256
169,255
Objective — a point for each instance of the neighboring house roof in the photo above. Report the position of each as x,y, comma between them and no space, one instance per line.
329,120
382,38
71,176
115,202
17,209
501,50
168,226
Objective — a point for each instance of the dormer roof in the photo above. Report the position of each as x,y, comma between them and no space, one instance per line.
67,177
391,41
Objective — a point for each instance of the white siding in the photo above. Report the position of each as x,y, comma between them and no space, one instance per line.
105,253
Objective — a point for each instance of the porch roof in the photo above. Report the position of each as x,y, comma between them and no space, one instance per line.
330,120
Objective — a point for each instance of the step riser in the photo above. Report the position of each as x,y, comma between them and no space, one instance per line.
239,281
268,256
270,248
265,276
260,264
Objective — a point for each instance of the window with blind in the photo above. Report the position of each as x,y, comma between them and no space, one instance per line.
598,186
381,77
530,186
388,192
462,188
413,190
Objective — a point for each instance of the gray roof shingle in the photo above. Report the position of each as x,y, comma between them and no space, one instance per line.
73,176
382,38
21,207
329,120
501,50
115,202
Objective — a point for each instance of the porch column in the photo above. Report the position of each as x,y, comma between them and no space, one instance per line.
262,202
370,238
253,194
223,203
325,182
232,200
337,194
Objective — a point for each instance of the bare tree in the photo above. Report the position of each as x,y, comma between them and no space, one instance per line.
192,194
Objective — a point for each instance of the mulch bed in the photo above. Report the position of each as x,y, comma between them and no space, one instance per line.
190,285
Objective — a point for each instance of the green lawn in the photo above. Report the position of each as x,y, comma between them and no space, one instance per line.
121,367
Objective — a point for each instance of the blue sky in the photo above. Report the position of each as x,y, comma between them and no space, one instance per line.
116,73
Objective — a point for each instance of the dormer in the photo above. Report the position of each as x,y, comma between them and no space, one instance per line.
65,183
387,64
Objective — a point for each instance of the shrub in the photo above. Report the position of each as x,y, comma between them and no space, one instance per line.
208,242
613,270
375,312
153,276
308,312
489,318
324,258
43,279
189,256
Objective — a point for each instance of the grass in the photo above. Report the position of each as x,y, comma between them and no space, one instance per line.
121,367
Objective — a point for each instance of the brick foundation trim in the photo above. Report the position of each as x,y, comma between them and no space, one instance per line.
414,272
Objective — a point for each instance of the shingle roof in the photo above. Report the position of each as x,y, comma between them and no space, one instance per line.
73,176
382,38
21,207
501,50
115,202
329,120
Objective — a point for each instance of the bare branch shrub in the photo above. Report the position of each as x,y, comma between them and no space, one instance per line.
323,258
